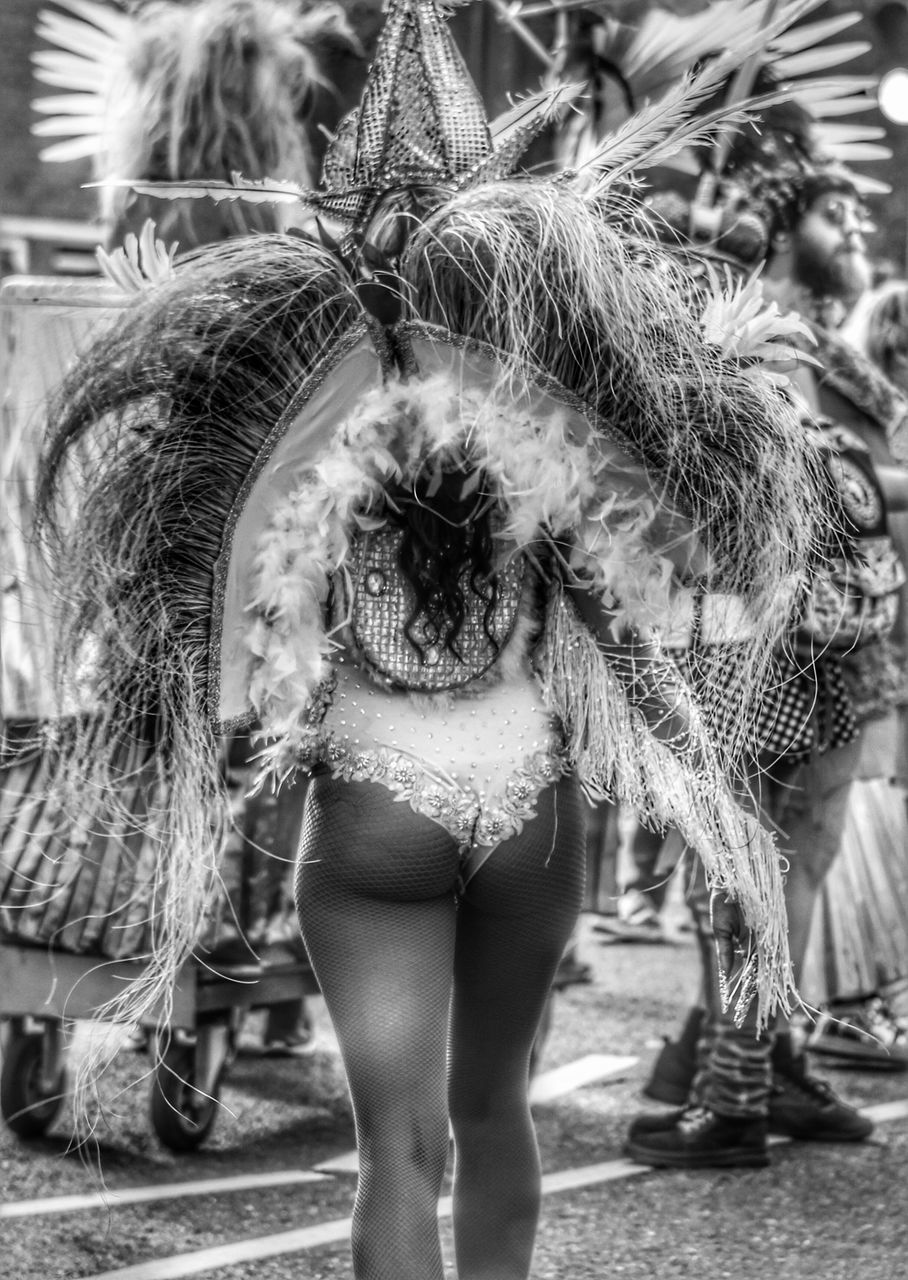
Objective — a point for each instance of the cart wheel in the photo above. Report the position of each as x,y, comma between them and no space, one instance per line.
28,1107
180,1115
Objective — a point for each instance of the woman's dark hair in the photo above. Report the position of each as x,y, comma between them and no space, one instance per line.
447,547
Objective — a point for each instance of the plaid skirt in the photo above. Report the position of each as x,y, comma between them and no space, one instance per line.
805,708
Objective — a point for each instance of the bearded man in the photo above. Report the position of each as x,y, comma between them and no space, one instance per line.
807,222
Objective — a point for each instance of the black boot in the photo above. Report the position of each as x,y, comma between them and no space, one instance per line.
700,1139
801,1106
674,1069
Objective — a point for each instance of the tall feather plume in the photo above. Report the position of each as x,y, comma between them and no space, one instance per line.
657,133
654,60
535,270
176,400
184,396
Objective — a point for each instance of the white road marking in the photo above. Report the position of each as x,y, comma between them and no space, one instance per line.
336,1232
549,1085
163,1191
882,1112
229,1255
573,1075
348,1162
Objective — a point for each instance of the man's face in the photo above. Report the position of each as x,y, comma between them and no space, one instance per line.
829,250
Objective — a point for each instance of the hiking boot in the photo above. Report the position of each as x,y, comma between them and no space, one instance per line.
653,1121
701,1139
674,1069
801,1106
866,1034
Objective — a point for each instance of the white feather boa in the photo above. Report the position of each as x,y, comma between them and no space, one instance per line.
543,475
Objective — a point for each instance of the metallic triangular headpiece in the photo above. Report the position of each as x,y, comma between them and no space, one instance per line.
421,121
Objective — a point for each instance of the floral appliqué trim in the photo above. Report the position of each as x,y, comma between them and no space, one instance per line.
460,811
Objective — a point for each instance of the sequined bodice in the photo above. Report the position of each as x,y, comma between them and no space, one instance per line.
383,601
468,743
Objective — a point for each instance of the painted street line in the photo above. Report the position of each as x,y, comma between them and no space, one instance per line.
884,1111
165,1191
546,1087
229,1255
574,1075
591,1175
346,1163
337,1232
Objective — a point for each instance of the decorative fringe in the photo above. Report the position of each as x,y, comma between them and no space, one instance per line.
175,403
618,756
529,268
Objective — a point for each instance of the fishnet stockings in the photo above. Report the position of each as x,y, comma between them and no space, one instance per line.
391,943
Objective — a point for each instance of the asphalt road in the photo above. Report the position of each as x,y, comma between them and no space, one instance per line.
820,1211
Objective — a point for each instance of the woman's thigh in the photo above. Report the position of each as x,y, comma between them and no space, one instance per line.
513,923
375,893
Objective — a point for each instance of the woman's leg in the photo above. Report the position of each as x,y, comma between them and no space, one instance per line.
376,899
513,922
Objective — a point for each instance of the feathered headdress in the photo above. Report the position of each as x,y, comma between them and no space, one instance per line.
252,410
726,195
182,91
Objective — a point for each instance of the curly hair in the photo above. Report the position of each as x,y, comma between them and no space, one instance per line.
447,550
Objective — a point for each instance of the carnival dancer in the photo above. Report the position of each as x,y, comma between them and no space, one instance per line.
412,493
857,960
810,736
805,759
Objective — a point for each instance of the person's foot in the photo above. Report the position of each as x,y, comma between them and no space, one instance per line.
803,1107
698,1138
653,1121
866,1034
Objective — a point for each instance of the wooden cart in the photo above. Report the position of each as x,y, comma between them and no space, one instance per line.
42,991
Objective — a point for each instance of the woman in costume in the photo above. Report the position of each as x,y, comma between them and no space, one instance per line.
717,213
411,493
857,961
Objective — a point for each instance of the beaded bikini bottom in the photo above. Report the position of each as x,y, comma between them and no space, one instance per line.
475,765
